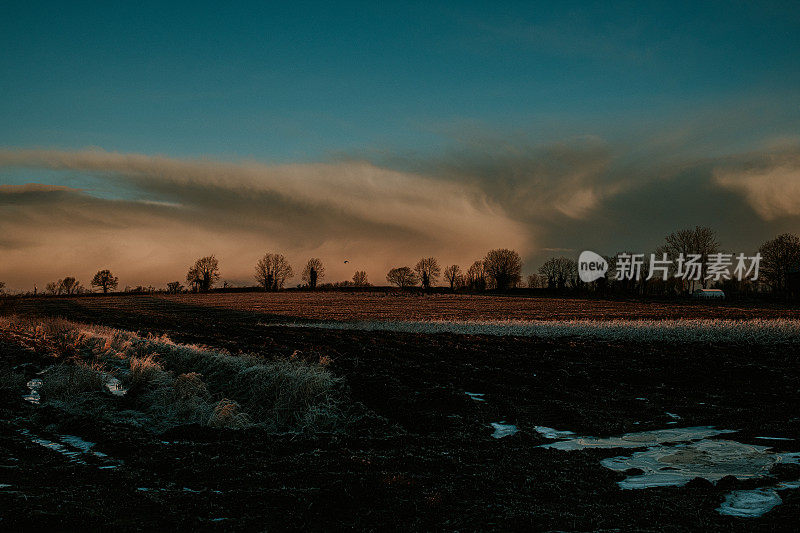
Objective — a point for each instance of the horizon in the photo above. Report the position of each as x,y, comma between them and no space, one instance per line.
142,138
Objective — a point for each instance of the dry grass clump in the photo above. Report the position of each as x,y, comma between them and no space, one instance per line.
66,381
228,413
144,369
177,384
283,392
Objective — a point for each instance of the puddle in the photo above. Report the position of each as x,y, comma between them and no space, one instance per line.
477,396
74,448
750,503
501,429
675,456
114,386
708,459
33,395
550,433
642,439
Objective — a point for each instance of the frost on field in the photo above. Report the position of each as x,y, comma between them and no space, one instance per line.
754,331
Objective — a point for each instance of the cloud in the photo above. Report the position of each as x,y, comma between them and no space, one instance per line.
770,182
172,210
543,200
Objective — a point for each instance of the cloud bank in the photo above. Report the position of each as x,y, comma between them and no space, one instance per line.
174,210
541,200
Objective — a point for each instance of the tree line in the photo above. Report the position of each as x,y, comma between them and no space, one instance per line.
779,268
499,269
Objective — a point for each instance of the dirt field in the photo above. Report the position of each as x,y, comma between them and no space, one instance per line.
411,306
423,456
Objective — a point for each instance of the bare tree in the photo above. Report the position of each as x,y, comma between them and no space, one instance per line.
272,271
559,272
193,278
204,273
476,276
402,277
313,272
105,280
174,287
69,285
504,267
427,271
779,257
452,274
360,279
701,241
534,281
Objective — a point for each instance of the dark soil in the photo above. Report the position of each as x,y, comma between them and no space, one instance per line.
431,464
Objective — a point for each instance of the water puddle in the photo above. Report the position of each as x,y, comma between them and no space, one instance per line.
550,433
114,386
501,429
750,503
477,396
74,448
708,459
642,439
33,396
674,456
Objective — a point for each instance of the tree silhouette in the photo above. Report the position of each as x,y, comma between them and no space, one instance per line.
476,276
204,273
313,272
105,280
504,267
174,287
559,271
360,279
700,240
272,271
427,271
779,257
452,274
402,277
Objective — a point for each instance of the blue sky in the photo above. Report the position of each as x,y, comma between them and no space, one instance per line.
300,82
517,125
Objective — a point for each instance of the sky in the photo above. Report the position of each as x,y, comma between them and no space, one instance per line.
140,136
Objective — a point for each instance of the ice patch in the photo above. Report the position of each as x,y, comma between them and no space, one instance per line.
642,439
72,447
675,456
550,433
477,396
708,459
749,503
33,396
114,386
501,429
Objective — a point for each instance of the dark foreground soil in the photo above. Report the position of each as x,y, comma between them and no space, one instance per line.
432,464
